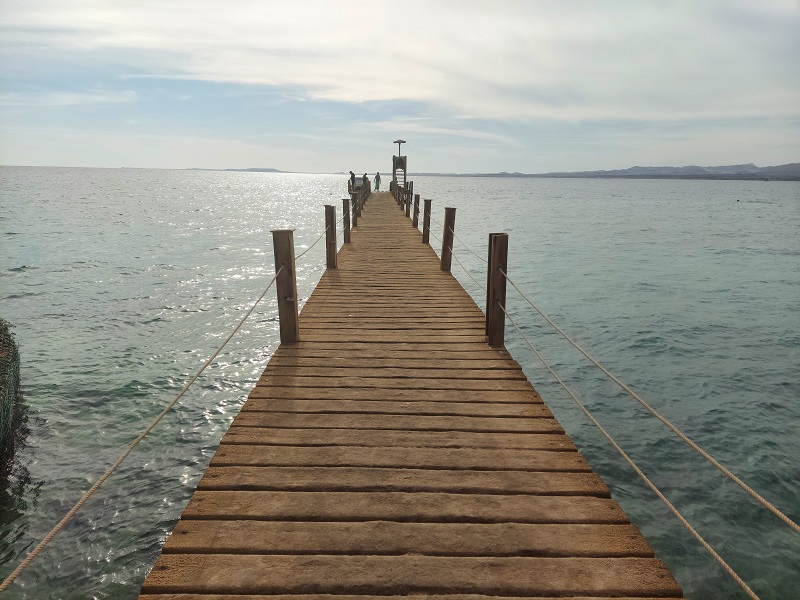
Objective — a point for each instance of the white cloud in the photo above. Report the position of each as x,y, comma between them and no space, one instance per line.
529,86
506,59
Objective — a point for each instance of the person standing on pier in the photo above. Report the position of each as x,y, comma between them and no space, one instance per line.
377,182
364,180
352,185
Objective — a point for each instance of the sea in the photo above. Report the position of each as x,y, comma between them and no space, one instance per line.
120,283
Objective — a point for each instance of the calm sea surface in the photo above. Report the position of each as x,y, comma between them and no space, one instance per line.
120,283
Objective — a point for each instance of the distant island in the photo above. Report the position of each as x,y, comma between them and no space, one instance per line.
789,172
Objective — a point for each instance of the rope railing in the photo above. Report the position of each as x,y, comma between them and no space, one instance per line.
727,568
103,478
460,264
322,235
760,499
436,237
467,247
755,495
291,299
480,285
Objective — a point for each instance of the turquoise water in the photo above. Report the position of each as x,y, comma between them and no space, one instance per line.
120,283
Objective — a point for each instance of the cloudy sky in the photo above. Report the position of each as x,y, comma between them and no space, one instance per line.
472,85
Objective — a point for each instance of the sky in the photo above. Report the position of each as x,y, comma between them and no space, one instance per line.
472,86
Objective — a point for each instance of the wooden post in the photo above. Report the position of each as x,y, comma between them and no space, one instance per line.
408,205
447,238
426,221
489,283
415,219
496,290
330,236
355,211
286,284
346,219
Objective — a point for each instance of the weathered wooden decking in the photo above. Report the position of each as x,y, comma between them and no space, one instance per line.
392,452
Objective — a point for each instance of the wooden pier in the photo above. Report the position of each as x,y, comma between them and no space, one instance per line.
392,452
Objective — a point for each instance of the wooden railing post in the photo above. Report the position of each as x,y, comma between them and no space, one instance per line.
408,205
330,236
415,219
355,210
496,289
447,238
426,221
286,284
346,219
488,283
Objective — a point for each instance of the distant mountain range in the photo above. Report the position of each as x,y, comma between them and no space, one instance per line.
789,172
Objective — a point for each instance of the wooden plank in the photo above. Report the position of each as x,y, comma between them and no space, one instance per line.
318,310
392,362
433,337
321,392
387,407
157,596
388,383
396,372
253,574
552,442
357,326
403,458
389,538
417,507
467,319
343,351
346,344
401,422
375,479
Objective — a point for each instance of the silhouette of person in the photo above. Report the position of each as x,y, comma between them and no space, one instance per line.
377,182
